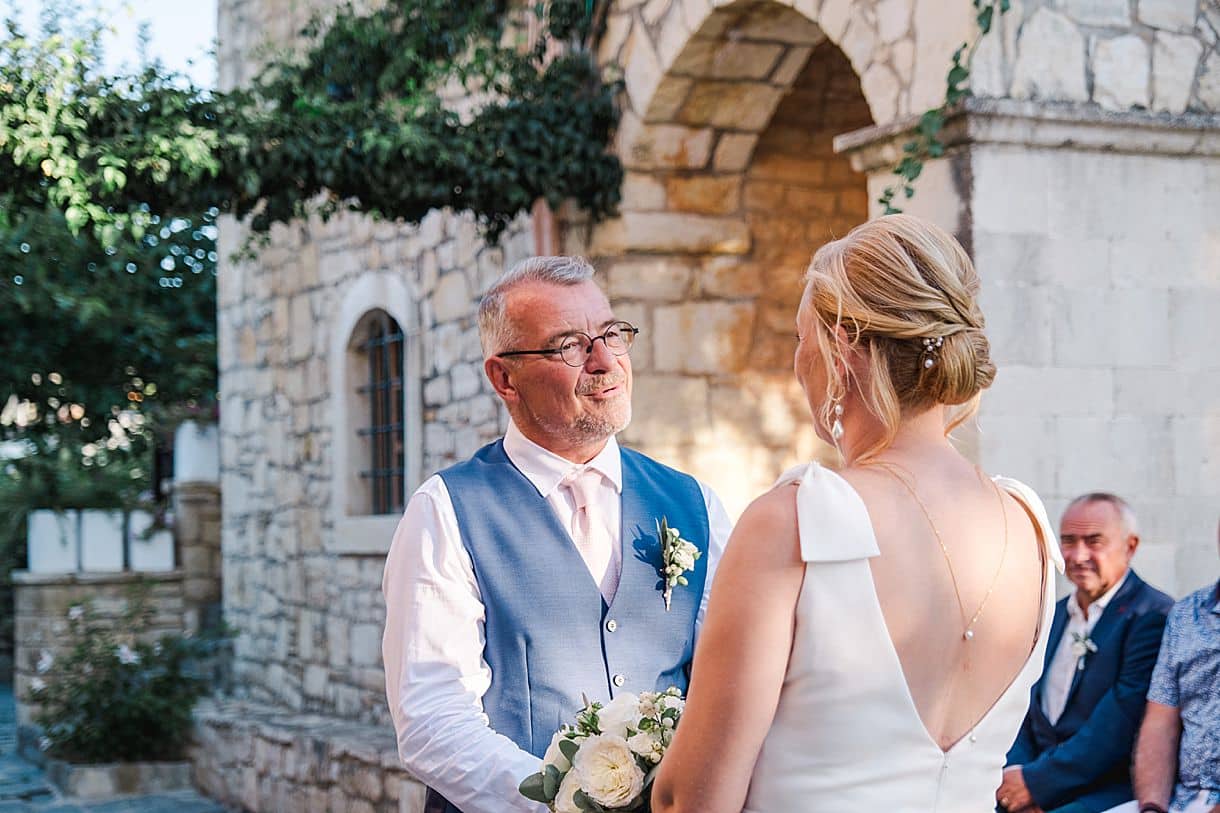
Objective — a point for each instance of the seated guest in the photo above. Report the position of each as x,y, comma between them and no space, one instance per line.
1177,762
1073,752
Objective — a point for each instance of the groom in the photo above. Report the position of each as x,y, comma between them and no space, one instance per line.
528,575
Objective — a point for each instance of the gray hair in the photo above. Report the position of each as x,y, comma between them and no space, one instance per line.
495,332
1125,513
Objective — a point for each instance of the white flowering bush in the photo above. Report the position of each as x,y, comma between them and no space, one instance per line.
115,696
606,761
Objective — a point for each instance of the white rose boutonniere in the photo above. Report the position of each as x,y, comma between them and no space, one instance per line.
677,558
1082,646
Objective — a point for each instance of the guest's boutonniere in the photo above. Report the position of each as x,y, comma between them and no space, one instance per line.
1082,645
677,557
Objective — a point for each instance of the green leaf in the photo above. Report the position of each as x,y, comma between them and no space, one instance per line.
568,748
531,788
984,19
550,781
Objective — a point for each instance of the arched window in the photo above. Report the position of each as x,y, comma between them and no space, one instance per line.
380,412
376,416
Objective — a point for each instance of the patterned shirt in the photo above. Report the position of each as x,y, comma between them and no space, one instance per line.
1187,677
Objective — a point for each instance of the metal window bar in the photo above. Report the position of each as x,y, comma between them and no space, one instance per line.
385,474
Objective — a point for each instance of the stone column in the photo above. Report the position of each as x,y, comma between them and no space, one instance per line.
197,536
1094,233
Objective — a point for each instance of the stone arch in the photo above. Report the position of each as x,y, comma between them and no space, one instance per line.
731,183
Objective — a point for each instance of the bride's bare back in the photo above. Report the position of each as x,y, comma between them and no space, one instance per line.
953,680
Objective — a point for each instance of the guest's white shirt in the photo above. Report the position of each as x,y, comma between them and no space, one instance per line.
435,672
1063,666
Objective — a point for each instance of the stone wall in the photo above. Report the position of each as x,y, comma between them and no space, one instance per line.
42,603
256,758
302,556
1157,55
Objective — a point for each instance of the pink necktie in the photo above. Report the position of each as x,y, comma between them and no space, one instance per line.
589,530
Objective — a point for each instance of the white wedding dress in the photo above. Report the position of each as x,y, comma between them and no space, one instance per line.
847,737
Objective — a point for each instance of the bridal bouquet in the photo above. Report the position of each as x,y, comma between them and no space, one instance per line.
607,760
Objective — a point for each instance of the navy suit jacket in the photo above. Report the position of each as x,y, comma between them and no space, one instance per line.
1085,756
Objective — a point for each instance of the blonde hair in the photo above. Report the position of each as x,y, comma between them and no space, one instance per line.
891,283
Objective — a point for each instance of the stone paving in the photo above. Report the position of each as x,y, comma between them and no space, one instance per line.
24,789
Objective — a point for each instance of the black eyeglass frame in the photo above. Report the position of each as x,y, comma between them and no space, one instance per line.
623,327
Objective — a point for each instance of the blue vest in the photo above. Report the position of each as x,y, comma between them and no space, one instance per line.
549,634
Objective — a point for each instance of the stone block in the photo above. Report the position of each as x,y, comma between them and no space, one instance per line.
1051,59
730,105
304,327
667,409
452,300
1174,61
703,337
363,783
1194,330
730,277
1120,328
1027,390
727,59
648,278
1120,73
641,69
1097,455
880,87
668,146
733,151
1208,89
1168,15
671,232
704,194
643,192
466,381
1020,324
366,644
1015,445
1114,13
893,20
790,66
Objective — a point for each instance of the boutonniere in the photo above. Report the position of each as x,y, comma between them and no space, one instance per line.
677,557
1082,645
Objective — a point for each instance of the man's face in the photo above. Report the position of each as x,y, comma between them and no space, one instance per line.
1096,547
569,410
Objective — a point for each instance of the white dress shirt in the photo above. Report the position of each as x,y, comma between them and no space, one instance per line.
1063,666
432,649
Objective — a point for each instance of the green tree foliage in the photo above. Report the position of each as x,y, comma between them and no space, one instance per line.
363,119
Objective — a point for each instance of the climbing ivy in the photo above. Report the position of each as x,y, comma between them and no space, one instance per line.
926,144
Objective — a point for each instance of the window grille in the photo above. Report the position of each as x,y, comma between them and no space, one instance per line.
384,433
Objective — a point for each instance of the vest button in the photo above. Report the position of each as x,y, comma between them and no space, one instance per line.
611,625
619,680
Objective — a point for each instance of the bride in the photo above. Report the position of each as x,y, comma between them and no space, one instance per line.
874,632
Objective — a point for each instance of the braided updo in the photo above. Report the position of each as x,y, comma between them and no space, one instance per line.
906,294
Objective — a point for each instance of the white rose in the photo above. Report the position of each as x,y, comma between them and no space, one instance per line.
607,771
671,702
643,743
565,801
554,756
622,711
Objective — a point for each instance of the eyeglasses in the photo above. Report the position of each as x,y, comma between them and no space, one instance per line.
575,348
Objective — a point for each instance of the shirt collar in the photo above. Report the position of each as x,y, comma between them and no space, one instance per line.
1101,603
546,470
